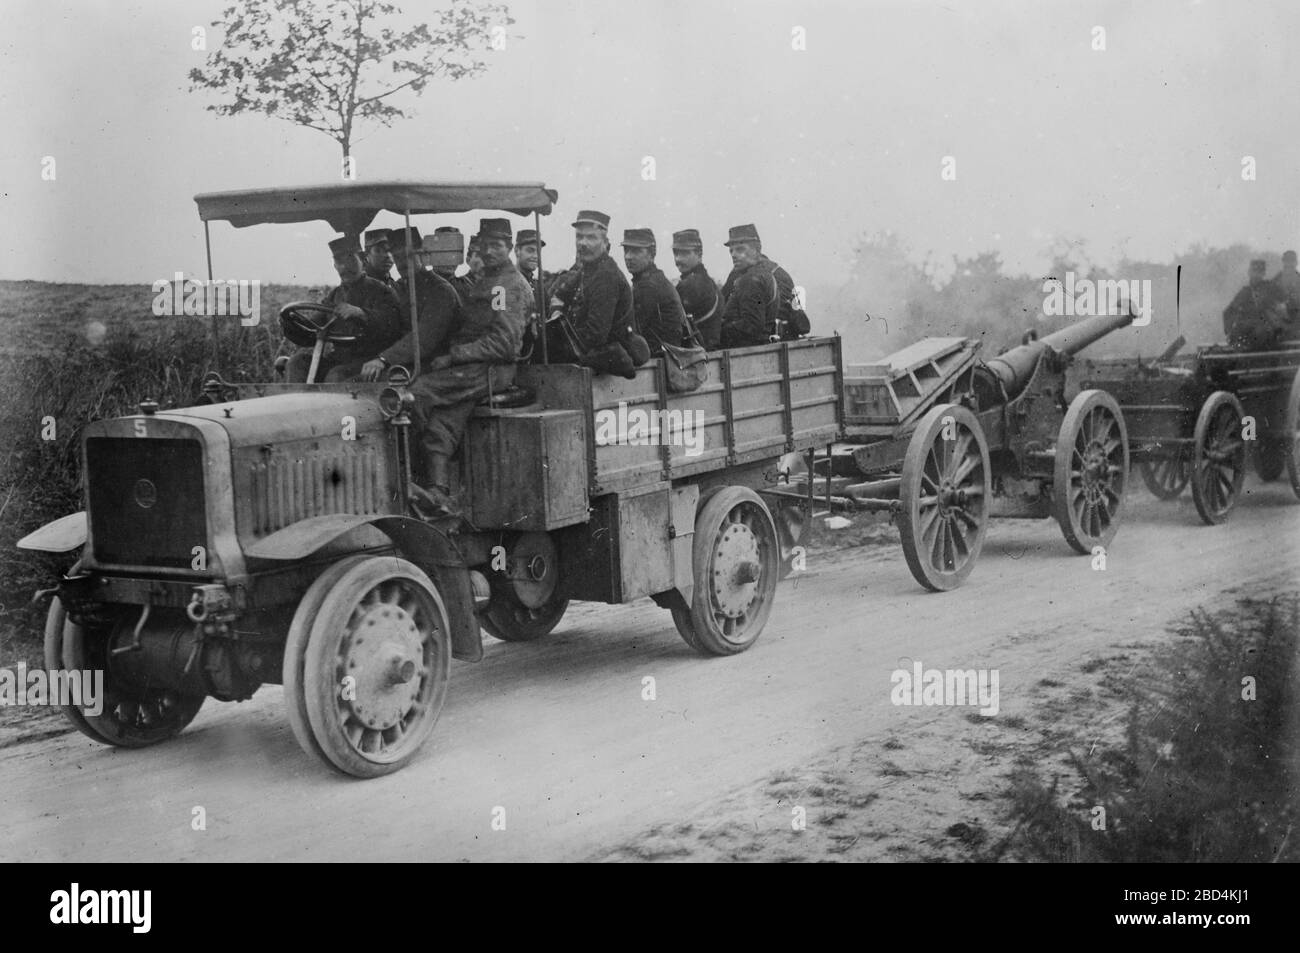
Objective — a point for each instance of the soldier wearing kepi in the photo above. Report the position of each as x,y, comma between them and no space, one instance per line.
1288,280
368,305
437,307
700,297
379,258
1257,315
480,361
657,309
597,301
751,295
527,251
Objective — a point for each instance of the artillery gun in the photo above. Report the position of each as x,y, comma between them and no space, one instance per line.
945,441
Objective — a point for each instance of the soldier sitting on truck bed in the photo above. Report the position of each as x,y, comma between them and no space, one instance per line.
1256,318
371,305
701,298
1288,280
437,305
480,361
594,305
751,294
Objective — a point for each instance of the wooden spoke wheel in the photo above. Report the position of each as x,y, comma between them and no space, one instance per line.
369,664
1166,477
1291,441
1269,457
736,560
1219,458
524,605
945,490
1091,471
130,717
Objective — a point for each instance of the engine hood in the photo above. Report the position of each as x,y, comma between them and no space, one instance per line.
285,417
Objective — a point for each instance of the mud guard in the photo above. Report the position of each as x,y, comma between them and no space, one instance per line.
63,535
424,545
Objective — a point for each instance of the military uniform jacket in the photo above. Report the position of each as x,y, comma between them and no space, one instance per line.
659,315
752,302
438,307
383,322
599,303
703,305
1247,320
493,316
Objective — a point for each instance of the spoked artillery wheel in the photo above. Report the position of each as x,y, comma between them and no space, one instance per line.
1166,477
1292,439
366,664
735,562
1219,457
1091,471
131,717
524,605
944,494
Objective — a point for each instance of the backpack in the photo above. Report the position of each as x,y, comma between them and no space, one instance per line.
791,322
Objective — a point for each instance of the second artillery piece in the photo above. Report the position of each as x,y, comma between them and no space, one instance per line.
945,441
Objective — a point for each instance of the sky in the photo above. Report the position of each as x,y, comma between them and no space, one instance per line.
1136,148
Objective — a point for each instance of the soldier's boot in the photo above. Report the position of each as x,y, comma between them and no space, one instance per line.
431,489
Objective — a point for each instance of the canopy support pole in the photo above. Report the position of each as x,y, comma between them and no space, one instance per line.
541,288
415,316
207,247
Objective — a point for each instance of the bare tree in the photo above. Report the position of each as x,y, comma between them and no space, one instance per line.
333,65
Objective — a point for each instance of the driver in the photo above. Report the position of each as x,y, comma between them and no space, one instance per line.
363,306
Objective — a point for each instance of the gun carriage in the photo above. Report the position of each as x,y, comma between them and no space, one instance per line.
1191,419
266,537
945,441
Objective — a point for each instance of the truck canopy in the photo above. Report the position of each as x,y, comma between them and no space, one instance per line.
351,206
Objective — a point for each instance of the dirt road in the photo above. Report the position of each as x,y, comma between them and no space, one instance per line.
557,740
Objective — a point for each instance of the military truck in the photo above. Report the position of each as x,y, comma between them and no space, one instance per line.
266,537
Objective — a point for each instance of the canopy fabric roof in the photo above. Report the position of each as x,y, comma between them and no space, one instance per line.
351,206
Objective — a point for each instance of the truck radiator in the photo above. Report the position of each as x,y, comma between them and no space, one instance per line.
288,489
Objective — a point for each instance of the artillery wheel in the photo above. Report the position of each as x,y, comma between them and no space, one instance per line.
1166,477
375,666
295,652
1291,442
130,717
1091,471
1269,458
735,561
944,493
526,608
1219,460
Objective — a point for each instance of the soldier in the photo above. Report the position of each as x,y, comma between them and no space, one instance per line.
1288,280
436,304
369,304
1257,315
481,360
527,246
751,294
700,297
442,237
379,259
655,305
596,299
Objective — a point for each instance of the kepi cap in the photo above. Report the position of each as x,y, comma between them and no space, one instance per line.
638,238
688,238
589,217
343,245
742,233
498,228
399,238
377,235
528,236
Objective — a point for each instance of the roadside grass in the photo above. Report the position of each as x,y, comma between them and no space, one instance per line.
1201,774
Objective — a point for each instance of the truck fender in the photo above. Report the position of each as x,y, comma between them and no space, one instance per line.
424,545
61,536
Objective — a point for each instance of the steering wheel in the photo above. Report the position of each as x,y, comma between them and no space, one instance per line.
307,323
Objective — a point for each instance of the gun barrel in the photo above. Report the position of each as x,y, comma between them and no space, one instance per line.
1017,365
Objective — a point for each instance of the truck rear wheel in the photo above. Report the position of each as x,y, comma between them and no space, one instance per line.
375,666
736,559
1219,460
1091,471
129,717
